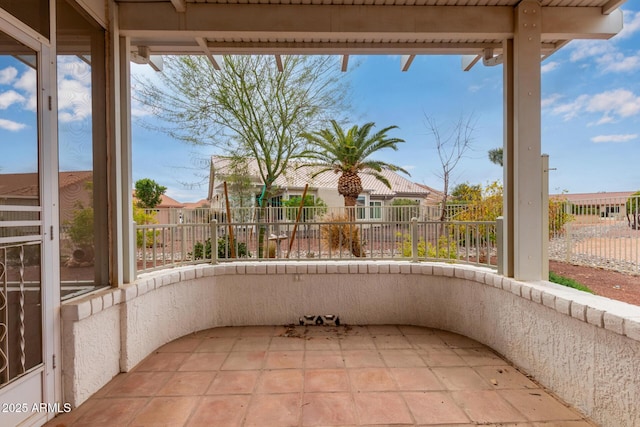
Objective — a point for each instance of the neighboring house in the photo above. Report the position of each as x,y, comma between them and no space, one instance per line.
434,197
22,189
604,204
374,196
171,211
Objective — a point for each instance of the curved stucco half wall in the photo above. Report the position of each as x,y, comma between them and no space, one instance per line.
584,348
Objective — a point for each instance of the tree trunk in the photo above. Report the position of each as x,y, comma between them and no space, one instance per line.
350,205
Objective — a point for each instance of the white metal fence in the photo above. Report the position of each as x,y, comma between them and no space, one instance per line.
603,233
161,246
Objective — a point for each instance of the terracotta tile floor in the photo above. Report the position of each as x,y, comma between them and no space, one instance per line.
322,376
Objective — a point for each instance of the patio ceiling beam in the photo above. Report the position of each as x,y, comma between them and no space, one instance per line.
405,62
338,48
279,63
205,49
344,63
180,5
451,23
558,23
468,61
611,6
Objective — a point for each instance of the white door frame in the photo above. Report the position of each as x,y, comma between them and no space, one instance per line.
43,383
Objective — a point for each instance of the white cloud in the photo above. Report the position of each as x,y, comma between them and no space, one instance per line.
11,125
614,138
73,68
74,89
608,57
584,49
631,24
619,63
612,105
140,110
550,100
28,82
570,110
74,101
7,75
619,102
10,97
408,167
549,66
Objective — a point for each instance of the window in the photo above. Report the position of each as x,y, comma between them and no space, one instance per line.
84,263
361,212
375,210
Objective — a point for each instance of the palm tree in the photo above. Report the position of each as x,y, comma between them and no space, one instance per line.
348,153
496,155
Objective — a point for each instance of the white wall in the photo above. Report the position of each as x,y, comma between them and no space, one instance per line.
584,348
90,345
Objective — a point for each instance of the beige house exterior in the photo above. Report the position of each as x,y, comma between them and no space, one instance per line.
375,195
610,204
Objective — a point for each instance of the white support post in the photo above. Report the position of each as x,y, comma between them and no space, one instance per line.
114,142
126,183
545,217
523,174
508,249
122,234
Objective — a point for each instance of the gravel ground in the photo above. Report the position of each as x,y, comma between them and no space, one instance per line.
607,283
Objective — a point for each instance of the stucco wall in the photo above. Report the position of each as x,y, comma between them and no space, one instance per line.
584,348
90,346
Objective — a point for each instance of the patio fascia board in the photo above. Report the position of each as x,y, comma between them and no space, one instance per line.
442,27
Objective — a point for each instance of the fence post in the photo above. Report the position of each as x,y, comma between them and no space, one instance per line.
135,251
499,243
414,239
183,244
568,241
214,241
545,216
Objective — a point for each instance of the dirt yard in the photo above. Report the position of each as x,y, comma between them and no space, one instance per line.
607,283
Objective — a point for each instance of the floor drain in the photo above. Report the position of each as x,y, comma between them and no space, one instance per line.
324,319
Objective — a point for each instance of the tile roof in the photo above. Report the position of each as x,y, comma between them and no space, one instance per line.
199,204
296,177
168,202
26,184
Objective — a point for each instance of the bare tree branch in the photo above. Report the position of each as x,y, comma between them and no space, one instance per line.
451,145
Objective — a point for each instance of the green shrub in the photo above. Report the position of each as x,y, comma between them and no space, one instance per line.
558,215
142,218
81,226
565,281
312,207
445,249
404,209
203,251
633,210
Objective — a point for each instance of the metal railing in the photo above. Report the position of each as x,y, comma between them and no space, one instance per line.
168,245
289,214
603,232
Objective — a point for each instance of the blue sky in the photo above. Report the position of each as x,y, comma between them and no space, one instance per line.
590,117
